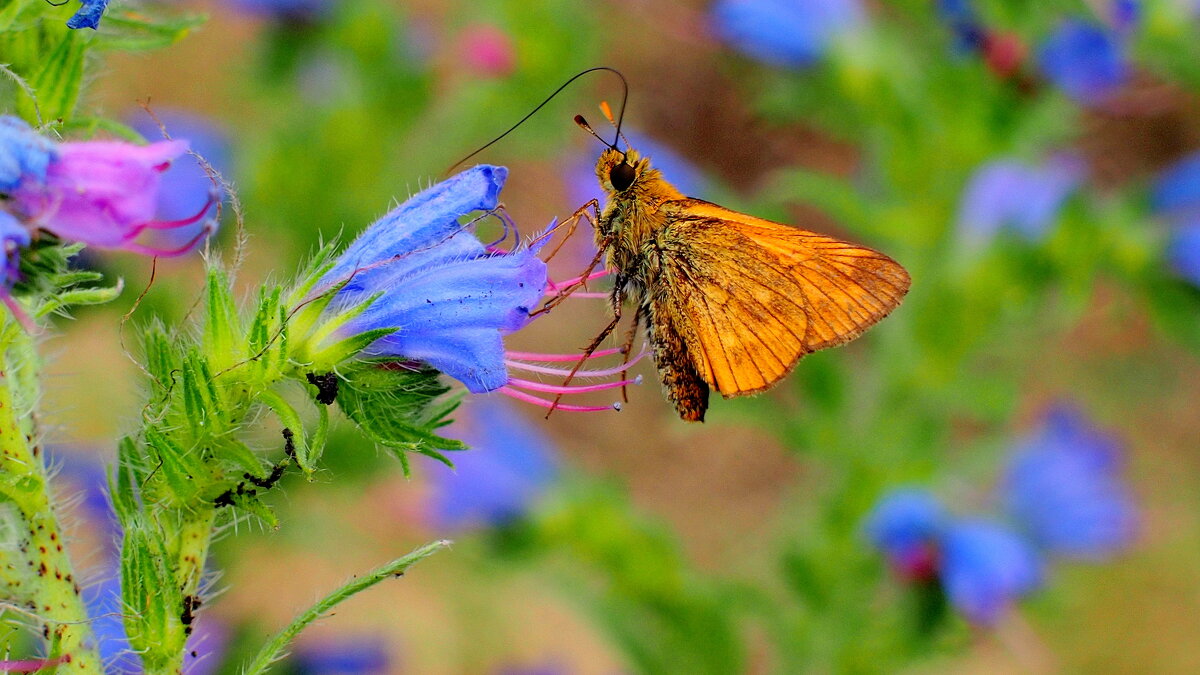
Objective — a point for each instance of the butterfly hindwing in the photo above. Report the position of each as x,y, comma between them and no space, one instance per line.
751,297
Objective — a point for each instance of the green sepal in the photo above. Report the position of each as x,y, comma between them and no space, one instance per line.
123,479
343,350
81,297
180,469
149,590
399,408
221,325
290,420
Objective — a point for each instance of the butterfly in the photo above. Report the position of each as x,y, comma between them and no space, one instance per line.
731,302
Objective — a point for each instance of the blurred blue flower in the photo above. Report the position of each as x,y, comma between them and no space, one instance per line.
1011,194
344,655
24,153
13,237
1126,15
985,568
970,35
905,525
1085,60
88,15
450,297
582,184
789,33
1183,252
1064,488
285,11
510,464
1176,191
185,189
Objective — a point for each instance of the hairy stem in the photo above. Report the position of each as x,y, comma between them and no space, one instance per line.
35,571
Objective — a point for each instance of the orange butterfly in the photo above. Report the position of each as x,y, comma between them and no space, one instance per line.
731,302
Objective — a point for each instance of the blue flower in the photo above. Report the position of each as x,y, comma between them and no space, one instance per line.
970,35
1064,487
510,465
789,33
88,15
450,298
344,655
985,568
1183,252
905,526
1176,191
185,189
1010,194
1085,60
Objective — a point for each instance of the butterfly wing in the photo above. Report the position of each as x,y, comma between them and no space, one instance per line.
750,297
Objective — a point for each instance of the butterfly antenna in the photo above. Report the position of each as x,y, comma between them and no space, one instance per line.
624,97
609,116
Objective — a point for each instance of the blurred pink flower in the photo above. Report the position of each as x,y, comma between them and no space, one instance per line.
488,50
104,194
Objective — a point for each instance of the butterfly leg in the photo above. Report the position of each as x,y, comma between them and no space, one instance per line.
590,211
627,348
618,297
563,294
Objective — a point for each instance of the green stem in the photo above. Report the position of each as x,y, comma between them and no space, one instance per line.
273,650
38,571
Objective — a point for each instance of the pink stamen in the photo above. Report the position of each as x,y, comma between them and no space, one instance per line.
183,222
575,280
170,252
569,389
543,403
534,356
33,665
582,372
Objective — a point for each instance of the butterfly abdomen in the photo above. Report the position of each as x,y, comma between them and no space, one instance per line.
681,382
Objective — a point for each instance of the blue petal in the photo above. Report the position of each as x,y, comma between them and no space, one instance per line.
789,33
1177,189
985,568
1183,252
1085,60
425,220
1064,487
510,464
24,153
904,522
88,15
452,315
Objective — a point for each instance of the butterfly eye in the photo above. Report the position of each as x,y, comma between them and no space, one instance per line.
622,176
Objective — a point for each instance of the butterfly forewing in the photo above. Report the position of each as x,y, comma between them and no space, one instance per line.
751,297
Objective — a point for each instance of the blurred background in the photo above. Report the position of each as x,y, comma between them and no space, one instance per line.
1031,163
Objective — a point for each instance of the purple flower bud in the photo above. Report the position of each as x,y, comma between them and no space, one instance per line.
906,526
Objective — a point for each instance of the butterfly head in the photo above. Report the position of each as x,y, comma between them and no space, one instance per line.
618,170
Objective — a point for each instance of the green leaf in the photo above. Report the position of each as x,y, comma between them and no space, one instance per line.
57,83
275,649
134,31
